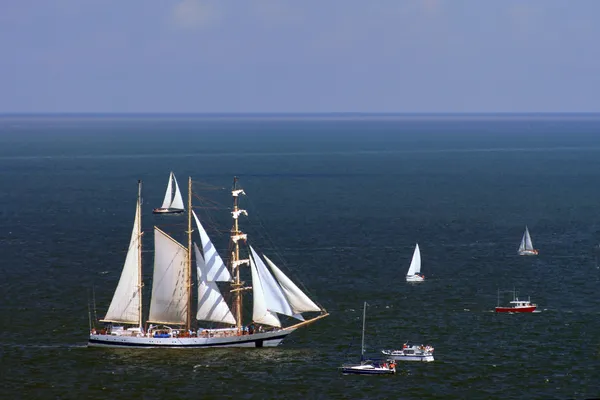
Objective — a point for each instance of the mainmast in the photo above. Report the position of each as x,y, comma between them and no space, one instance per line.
236,235
139,232
188,275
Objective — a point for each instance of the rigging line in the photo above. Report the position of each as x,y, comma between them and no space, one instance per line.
281,259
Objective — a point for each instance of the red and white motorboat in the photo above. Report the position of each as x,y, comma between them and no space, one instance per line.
516,305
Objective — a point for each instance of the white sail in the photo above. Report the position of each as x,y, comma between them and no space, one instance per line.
169,193
177,199
169,291
299,301
260,313
526,243
274,298
211,305
125,305
415,264
216,269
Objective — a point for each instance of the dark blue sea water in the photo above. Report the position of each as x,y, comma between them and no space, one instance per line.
342,200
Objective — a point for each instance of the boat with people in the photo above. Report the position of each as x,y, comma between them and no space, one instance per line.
368,367
413,274
173,201
217,322
526,246
411,353
516,305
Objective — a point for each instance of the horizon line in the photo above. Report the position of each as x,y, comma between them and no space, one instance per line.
296,114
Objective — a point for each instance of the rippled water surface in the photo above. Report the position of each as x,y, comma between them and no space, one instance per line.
342,202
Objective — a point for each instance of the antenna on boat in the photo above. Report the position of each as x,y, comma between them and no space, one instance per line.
498,298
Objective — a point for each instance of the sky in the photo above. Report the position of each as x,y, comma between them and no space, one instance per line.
304,56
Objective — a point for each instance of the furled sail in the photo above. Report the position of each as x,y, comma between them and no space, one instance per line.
296,298
415,264
211,305
169,193
275,300
260,313
125,305
169,291
177,199
216,271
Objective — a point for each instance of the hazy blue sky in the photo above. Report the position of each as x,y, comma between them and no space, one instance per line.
299,56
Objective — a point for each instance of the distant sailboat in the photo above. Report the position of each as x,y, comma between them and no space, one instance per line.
526,247
415,267
173,202
171,321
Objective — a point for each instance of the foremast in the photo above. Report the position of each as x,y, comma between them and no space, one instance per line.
236,235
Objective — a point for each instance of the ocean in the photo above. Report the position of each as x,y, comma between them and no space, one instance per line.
340,201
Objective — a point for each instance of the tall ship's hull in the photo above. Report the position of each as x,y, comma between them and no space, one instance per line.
263,339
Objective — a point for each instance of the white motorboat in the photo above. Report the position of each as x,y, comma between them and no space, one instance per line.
411,353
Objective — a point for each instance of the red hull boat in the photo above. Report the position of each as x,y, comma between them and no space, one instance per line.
516,309
516,305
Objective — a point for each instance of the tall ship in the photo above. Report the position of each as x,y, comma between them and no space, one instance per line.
217,323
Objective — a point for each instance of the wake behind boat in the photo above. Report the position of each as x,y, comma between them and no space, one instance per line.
415,267
170,323
173,202
526,246
368,367
410,353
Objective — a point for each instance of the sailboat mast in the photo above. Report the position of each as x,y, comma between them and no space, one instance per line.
188,275
139,232
237,284
362,346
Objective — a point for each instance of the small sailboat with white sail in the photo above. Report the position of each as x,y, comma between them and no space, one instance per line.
173,201
413,274
170,322
368,367
526,246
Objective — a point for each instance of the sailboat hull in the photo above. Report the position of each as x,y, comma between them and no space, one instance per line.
528,252
264,339
414,278
167,211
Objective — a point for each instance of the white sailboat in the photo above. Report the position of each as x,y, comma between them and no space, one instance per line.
173,202
526,246
170,321
415,267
